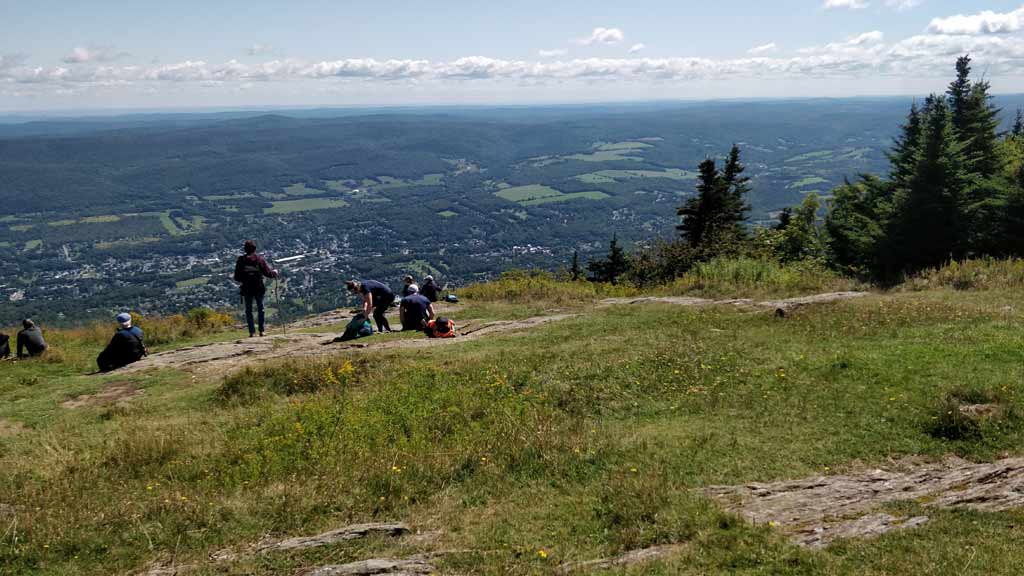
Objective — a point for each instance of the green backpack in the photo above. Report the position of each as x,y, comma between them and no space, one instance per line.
358,327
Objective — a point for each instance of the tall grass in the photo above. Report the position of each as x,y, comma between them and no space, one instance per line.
749,276
978,274
521,286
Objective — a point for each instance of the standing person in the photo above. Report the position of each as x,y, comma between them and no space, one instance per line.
430,289
415,310
376,299
250,269
409,286
30,340
126,347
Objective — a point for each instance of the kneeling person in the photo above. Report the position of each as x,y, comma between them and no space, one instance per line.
415,310
125,347
30,340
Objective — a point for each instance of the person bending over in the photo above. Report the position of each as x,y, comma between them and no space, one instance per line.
415,310
126,347
30,340
250,270
377,297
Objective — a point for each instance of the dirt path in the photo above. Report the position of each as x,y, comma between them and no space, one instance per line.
816,511
225,357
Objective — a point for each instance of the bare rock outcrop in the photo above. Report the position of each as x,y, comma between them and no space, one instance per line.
628,559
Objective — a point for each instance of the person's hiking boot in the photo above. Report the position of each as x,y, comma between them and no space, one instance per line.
252,334
262,334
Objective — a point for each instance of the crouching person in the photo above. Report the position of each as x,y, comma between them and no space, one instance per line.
30,340
125,347
415,311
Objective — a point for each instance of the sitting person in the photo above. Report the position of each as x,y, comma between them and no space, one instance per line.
415,311
30,340
125,347
440,328
5,346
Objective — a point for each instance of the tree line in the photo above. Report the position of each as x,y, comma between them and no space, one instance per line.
955,190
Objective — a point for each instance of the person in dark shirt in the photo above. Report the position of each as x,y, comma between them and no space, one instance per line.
377,297
30,340
415,311
125,347
430,289
5,346
408,286
250,270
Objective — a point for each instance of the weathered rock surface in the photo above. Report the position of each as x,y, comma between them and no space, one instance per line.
110,394
389,566
627,559
334,536
816,511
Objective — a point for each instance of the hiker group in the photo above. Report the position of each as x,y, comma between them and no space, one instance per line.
126,347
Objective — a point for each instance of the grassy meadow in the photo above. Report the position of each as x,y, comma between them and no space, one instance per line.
579,439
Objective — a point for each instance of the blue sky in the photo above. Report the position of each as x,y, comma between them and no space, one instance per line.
73,55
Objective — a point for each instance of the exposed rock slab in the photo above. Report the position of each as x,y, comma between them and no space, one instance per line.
816,511
353,532
628,559
110,394
389,566
787,304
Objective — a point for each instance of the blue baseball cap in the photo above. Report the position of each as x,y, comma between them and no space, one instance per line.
124,318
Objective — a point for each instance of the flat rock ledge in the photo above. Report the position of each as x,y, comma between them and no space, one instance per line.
387,566
816,511
627,559
353,532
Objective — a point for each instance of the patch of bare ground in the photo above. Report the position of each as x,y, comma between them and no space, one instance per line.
388,566
786,304
225,357
628,559
112,393
10,428
816,511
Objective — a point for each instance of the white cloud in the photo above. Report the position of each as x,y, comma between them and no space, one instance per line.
603,36
986,22
872,37
83,54
257,49
903,4
763,49
552,53
637,48
851,4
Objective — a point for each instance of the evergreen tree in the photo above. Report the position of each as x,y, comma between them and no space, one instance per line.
856,224
928,227
975,120
574,270
612,267
1018,124
697,211
903,156
801,238
735,186
959,92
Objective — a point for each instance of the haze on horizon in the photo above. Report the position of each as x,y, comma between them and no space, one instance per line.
142,55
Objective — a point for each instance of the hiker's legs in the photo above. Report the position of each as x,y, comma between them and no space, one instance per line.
260,311
380,318
248,314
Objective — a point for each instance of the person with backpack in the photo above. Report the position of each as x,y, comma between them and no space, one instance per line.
30,340
377,297
430,289
415,310
126,347
408,286
440,328
250,270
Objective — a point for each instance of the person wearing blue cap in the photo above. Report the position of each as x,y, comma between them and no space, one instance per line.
125,347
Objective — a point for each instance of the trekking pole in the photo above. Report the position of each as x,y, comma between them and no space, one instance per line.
277,297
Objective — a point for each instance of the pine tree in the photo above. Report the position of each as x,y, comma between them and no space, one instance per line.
975,120
736,187
1018,124
612,267
959,92
575,269
927,228
697,210
903,156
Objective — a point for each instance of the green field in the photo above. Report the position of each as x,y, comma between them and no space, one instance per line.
607,176
808,181
604,156
228,197
126,242
447,214
290,206
525,193
623,146
583,438
810,156
22,227
592,195
300,189
183,285
32,245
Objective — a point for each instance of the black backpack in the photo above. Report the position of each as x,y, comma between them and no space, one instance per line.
5,346
248,272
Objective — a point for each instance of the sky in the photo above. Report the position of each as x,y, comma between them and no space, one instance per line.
118,55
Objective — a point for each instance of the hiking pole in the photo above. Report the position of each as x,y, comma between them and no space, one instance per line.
277,288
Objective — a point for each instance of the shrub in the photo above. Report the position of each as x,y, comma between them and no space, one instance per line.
978,274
